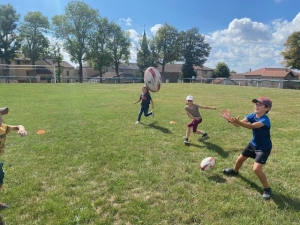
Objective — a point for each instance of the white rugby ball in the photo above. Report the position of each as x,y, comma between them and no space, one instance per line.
207,164
152,79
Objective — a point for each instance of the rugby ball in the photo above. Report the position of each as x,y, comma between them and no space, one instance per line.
207,164
152,79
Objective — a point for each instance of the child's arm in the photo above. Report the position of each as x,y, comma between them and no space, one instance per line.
21,130
243,123
190,116
226,115
137,100
207,107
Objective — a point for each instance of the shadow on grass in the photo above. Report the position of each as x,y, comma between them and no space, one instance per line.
216,178
282,201
1,221
155,126
215,148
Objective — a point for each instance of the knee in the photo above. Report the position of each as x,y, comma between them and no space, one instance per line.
257,169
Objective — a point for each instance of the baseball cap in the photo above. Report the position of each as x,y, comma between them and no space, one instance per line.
190,97
263,100
3,110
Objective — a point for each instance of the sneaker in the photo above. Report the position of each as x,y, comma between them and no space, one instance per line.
267,193
230,172
3,206
205,136
186,141
137,122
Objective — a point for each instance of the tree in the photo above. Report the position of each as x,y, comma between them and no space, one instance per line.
221,70
9,41
34,43
167,45
194,51
143,55
291,54
57,57
99,56
119,47
76,28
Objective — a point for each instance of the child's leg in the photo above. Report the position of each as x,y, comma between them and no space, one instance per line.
199,132
188,132
257,168
239,162
140,114
146,113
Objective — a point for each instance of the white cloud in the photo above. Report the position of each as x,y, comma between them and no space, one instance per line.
247,44
155,28
127,21
134,35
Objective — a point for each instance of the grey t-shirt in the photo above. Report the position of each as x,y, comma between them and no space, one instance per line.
194,111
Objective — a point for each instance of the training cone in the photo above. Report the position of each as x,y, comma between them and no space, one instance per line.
40,132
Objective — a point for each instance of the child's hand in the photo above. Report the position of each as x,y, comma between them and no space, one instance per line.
235,119
22,131
22,134
226,114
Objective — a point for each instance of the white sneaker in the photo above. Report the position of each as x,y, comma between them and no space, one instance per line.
137,122
186,141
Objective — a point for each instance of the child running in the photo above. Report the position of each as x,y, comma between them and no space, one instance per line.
146,99
192,111
260,145
4,130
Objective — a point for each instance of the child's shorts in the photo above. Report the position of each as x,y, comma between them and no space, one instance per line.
258,155
1,173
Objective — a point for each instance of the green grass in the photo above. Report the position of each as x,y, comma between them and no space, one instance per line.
94,165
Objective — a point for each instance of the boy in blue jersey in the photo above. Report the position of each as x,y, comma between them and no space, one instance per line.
260,145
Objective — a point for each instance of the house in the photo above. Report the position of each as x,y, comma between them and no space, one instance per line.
273,77
21,70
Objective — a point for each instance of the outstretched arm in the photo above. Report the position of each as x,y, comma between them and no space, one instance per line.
227,116
21,130
207,107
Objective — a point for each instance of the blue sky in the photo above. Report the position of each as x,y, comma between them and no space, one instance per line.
245,34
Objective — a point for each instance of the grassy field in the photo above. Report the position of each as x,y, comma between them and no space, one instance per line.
94,165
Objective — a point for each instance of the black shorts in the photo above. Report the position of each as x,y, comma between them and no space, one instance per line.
1,173
260,156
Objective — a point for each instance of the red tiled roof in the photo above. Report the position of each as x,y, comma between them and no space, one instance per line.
271,72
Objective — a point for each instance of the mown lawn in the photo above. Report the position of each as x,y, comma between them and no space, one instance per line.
94,165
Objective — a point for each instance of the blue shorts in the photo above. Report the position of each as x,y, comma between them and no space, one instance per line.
260,156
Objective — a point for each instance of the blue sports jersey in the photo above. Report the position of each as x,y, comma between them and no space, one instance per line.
261,136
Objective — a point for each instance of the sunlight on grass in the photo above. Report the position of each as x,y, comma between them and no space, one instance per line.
94,165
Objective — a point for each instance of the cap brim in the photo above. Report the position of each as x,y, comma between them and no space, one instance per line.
3,110
255,100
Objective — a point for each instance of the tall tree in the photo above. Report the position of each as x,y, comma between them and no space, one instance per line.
167,44
32,30
143,55
57,57
194,51
99,56
291,54
9,42
222,70
75,28
119,47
